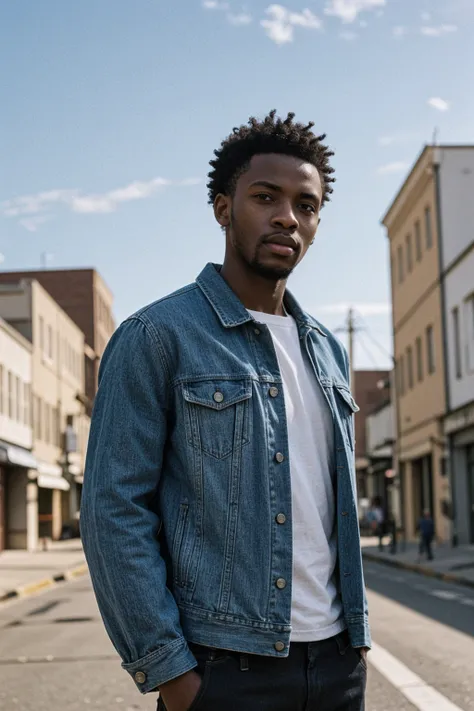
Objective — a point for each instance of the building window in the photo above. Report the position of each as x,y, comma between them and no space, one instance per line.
11,409
428,228
409,254
47,423
418,248
401,376
419,359
18,399
26,404
430,351
50,342
41,333
401,271
410,367
457,343
1,390
39,418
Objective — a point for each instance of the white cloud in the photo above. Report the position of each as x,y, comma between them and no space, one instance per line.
36,209
243,18
399,166
438,31
364,309
214,5
439,104
396,139
399,31
282,22
348,10
348,35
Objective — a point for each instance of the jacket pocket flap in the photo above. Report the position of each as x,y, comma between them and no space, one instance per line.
345,394
217,394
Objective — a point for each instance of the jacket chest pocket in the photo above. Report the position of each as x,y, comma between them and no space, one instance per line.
217,415
346,407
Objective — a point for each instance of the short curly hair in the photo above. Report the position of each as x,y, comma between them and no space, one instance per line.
272,135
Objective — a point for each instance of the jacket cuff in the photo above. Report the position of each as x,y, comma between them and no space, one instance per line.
359,633
160,666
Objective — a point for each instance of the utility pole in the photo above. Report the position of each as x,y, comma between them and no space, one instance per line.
351,331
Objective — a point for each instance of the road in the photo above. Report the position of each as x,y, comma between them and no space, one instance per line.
55,656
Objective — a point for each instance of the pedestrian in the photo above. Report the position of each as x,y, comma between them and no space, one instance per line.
379,520
426,528
219,516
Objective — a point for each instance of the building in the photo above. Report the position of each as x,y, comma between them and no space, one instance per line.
16,438
380,440
58,403
84,296
368,395
456,186
424,226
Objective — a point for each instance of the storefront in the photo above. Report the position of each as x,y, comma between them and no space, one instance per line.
51,485
459,426
16,466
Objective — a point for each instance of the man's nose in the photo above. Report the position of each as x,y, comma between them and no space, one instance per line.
284,218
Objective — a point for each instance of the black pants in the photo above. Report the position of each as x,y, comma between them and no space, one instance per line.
317,676
425,545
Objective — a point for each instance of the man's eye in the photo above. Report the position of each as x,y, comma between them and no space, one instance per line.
309,208
263,196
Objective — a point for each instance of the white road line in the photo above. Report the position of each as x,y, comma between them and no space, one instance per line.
418,692
445,594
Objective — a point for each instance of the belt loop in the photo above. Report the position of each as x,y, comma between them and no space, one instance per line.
212,654
244,663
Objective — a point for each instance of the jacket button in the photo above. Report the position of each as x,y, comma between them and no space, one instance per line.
140,677
345,513
257,331
218,396
274,392
279,646
281,583
279,457
281,519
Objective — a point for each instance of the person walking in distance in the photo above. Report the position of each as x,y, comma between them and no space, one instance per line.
219,516
426,528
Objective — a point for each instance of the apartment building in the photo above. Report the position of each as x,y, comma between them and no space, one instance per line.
16,438
456,184
380,439
418,335
58,402
87,300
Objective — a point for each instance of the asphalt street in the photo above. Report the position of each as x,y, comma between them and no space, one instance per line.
55,655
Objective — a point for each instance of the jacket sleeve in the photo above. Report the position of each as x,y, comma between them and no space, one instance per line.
119,526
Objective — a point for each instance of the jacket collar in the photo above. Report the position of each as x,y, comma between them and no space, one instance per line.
231,311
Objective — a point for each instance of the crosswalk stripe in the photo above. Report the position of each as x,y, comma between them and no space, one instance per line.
423,696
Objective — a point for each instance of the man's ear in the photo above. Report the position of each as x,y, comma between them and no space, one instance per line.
222,210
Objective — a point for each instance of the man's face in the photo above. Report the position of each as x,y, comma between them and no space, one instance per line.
273,217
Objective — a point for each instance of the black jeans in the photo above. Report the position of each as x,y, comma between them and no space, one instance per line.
425,545
316,676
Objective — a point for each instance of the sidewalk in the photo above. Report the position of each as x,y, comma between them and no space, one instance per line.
23,573
455,565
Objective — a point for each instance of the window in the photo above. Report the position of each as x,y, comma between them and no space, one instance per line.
401,376
401,271
47,423
428,228
26,403
18,399
469,326
430,349
418,249
41,333
410,367
419,359
1,390
457,343
50,342
55,426
39,418
11,411
409,254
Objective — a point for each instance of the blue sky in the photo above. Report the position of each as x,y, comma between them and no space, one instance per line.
111,110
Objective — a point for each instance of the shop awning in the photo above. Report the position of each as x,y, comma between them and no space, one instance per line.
47,481
17,456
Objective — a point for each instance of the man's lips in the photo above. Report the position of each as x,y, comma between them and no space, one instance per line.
282,249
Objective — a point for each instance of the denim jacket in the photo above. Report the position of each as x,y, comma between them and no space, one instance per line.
187,470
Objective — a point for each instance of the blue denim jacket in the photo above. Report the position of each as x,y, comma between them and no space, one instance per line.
187,469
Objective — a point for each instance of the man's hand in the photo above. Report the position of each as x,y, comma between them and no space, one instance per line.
363,652
178,694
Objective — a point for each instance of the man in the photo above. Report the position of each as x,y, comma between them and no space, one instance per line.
219,509
427,532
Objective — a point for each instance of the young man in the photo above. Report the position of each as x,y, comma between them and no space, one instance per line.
219,510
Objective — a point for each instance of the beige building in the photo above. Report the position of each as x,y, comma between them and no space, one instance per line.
418,332
60,425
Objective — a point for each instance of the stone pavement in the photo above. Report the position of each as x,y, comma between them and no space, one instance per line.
454,565
23,573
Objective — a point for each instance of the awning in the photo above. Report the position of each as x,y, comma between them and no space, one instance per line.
52,482
18,456
49,469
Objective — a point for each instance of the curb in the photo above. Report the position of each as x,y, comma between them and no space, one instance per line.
414,568
44,584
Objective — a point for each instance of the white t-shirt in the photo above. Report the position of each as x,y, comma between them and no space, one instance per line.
316,610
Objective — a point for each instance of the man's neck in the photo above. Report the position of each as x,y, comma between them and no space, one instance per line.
255,292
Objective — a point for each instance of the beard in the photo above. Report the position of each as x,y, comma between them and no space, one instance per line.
254,262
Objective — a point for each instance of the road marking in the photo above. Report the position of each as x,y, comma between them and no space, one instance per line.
417,691
445,594
468,602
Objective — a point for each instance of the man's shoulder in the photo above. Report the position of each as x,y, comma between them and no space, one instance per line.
169,307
